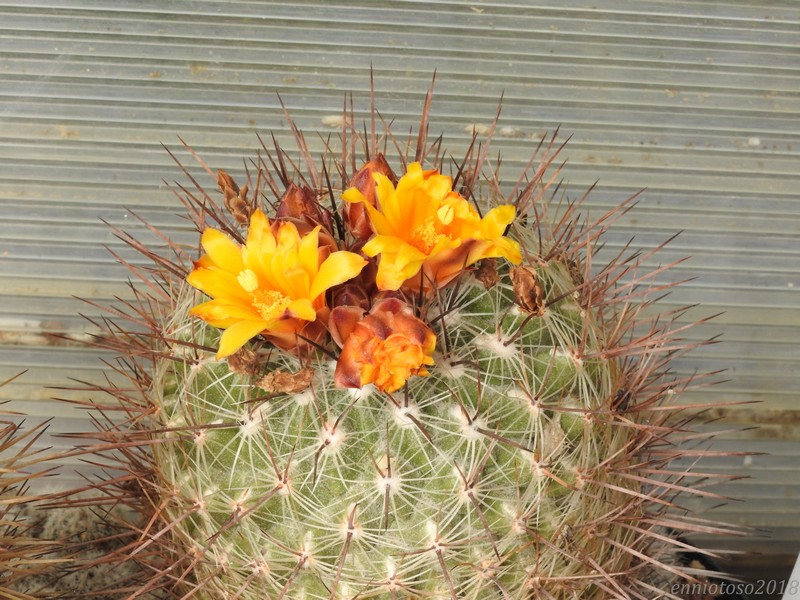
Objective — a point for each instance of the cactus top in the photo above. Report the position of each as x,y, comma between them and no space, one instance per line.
275,285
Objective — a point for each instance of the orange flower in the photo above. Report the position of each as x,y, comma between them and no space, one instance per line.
422,224
386,347
273,285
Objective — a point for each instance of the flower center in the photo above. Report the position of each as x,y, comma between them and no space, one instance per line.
270,304
426,236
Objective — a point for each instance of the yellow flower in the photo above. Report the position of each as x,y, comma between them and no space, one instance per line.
386,347
273,285
422,224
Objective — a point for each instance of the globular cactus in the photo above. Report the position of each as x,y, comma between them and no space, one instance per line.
414,386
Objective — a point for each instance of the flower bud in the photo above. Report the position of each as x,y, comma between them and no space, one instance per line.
350,294
386,347
300,203
342,322
356,218
528,290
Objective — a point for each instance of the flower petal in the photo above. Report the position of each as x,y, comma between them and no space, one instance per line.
348,371
501,247
288,237
223,313
414,177
353,196
398,263
217,283
390,209
337,268
260,241
510,250
393,274
496,220
343,321
221,249
237,335
303,309
309,251
438,185
383,244
380,223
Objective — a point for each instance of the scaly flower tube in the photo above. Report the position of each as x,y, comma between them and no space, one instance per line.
386,347
273,285
422,224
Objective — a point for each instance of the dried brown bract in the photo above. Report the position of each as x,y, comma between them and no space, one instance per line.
487,273
245,362
528,290
235,198
286,382
575,272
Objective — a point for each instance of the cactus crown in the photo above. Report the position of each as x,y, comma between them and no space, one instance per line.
398,387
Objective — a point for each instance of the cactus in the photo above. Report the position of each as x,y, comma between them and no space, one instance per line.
22,553
491,417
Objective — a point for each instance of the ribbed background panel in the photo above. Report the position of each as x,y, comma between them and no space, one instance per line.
699,102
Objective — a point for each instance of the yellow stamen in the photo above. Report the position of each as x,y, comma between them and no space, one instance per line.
270,304
427,235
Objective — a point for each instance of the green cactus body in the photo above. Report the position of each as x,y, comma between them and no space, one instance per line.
495,475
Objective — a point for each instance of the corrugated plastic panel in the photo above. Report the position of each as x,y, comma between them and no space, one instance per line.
699,102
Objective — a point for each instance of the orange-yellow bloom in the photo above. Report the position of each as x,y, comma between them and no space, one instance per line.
386,347
422,224
273,285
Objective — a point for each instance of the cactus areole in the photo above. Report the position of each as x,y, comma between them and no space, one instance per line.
388,374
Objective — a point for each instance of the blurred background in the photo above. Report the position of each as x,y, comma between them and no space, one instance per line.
698,102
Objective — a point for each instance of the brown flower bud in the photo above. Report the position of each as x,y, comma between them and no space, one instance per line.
235,198
487,273
225,182
343,321
356,218
528,290
350,294
300,203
